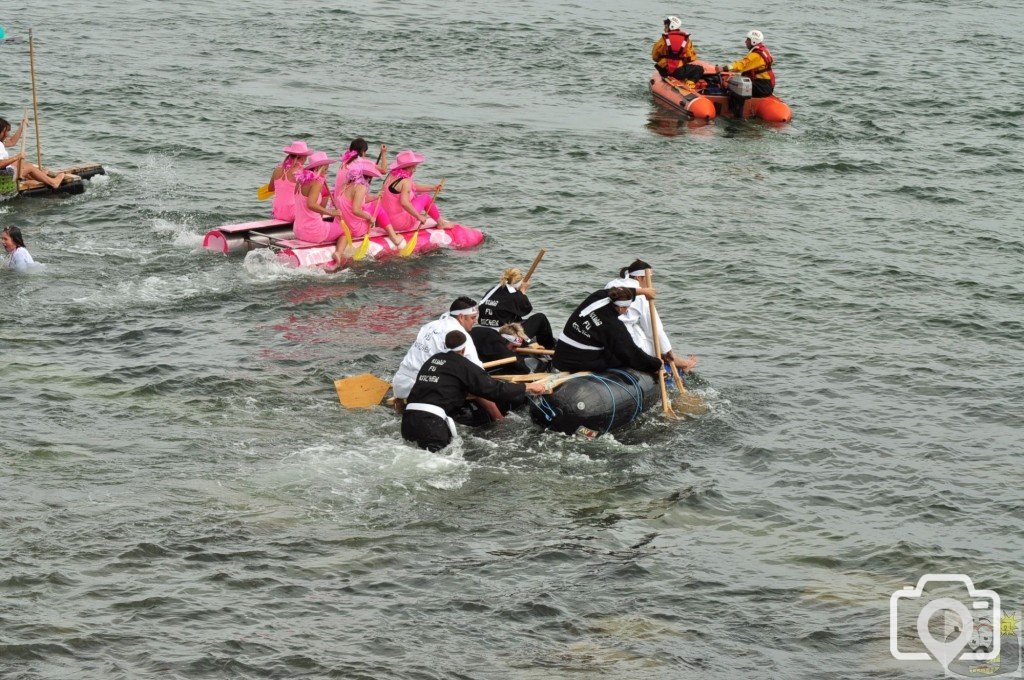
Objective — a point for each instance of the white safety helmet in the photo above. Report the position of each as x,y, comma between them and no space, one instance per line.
755,37
673,23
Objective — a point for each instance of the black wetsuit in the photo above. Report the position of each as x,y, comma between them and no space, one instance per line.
608,343
444,381
503,307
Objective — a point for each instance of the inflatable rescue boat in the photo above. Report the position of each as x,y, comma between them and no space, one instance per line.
593,404
710,98
278,236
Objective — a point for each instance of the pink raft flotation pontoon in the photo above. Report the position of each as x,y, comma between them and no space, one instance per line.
278,236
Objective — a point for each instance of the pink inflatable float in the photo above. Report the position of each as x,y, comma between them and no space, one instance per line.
278,236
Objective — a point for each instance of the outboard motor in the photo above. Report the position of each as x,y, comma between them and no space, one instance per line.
740,90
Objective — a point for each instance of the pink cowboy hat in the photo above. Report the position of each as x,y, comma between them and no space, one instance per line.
317,159
297,148
366,167
406,158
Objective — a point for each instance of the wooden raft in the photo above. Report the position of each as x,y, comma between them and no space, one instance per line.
74,181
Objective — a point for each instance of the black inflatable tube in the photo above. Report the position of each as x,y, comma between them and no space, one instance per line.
597,403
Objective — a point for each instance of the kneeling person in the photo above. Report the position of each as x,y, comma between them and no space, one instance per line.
441,388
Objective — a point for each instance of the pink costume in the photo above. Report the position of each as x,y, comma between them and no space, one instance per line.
284,199
310,225
392,213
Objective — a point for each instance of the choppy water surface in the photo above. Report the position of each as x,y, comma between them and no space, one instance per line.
182,496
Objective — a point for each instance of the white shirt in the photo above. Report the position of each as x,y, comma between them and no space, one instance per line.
19,260
3,151
638,320
429,341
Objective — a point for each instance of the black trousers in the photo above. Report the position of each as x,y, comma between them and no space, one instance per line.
685,72
426,430
538,328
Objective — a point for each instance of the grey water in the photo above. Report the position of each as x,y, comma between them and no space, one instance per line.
182,497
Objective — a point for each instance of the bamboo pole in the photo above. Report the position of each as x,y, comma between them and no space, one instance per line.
35,100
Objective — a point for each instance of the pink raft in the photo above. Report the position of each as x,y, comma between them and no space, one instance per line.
278,236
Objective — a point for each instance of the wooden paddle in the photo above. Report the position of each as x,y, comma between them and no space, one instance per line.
35,99
366,390
535,351
666,406
687,402
411,243
533,267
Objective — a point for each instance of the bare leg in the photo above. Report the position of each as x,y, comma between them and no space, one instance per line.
395,238
32,172
686,365
339,251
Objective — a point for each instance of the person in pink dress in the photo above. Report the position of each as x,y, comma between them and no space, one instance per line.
314,220
355,202
357,150
403,208
282,181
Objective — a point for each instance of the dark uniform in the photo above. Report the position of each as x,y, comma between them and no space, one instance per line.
443,383
594,339
490,346
501,306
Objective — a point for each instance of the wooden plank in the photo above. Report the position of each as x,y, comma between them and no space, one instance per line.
30,184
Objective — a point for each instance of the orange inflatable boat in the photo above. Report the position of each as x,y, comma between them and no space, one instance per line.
711,98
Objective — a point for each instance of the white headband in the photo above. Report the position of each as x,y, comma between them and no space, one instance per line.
462,346
515,339
468,311
639,272
622,303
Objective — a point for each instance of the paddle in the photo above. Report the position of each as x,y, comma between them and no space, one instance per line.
688,402
411,243
535,351
365,390
264,192
665,405
533,267
35,99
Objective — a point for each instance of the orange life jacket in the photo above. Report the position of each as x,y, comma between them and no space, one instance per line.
676,43
762,49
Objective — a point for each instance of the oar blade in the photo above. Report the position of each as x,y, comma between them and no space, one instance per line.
361,391
364,247
410,245
264,192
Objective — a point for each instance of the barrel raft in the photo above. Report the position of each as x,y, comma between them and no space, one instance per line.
593,404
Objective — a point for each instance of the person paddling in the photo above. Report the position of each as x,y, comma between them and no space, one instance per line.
403,208
461,315
282,180
355,200
17,165
313,221
595,339
357,150
674,53
507,303
500,343
18,257
637,318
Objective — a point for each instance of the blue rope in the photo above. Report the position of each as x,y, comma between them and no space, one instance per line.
637,395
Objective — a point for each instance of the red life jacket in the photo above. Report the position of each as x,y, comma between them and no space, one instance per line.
676,43
762,49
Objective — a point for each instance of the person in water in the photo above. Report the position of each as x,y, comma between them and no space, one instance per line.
403,208
313,221
282,180
355,200
356,150
756,65
674,53
595,339
461,315
16,165
18,257
441,387
507,303
638,317
500,343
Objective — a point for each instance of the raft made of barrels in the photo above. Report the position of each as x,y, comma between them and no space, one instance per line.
278,236
593,404
74,181
713,100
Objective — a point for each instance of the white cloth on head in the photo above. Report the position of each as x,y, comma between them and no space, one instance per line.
429,341
19,260
638,320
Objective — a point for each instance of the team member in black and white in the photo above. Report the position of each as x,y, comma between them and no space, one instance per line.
493,344
507,303
595,339
462,315
441,388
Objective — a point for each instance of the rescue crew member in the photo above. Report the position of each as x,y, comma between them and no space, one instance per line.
595,339
674,52
757,65
638,318
441,388
500,343
507,303
462,315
